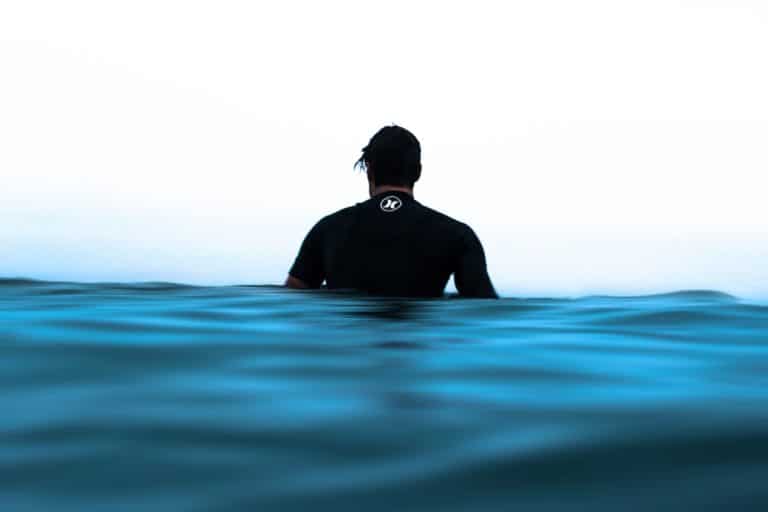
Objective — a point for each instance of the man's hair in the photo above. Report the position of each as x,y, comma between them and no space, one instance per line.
392,157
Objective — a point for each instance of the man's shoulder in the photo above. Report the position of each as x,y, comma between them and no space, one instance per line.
445,220
333,218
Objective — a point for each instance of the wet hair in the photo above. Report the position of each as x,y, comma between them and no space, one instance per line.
392,157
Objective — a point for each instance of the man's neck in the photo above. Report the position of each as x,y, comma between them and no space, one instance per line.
391,188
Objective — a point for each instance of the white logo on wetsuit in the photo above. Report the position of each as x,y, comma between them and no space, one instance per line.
390,204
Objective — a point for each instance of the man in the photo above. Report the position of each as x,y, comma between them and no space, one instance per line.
391,244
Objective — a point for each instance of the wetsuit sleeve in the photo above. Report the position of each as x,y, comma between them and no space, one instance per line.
309,263
471,275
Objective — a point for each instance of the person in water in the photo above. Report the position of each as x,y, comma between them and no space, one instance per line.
391,244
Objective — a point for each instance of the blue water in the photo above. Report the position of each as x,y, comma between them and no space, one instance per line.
160,397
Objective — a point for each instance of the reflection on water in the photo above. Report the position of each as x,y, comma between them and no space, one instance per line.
163,397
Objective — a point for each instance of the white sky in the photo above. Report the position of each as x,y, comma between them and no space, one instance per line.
594,146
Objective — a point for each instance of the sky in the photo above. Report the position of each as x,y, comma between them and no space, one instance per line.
594,146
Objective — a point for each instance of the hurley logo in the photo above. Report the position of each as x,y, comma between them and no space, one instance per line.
390,204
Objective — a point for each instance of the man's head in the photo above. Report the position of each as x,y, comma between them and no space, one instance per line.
392,157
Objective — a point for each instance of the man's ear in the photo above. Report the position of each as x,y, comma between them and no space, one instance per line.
418,173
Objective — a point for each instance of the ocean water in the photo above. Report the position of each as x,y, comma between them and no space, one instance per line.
162,397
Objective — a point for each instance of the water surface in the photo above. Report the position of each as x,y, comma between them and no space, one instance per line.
162,397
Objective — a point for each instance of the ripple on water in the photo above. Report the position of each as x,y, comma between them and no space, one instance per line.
158,396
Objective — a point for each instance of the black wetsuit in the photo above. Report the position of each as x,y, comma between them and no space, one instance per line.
393,245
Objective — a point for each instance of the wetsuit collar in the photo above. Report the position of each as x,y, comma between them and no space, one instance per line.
404,196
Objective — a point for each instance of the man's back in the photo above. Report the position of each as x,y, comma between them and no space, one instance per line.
393,245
